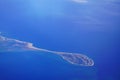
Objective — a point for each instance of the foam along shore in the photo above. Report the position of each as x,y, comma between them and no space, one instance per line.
13,45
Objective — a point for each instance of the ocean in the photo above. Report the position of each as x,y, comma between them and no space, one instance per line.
92,30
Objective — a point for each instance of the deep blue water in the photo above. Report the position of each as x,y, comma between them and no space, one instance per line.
91,29
39,66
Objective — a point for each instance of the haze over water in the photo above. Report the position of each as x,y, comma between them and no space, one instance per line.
88,27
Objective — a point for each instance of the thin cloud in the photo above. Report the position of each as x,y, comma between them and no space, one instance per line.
80,1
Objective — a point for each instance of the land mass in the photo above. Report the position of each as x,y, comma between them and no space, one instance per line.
14,45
